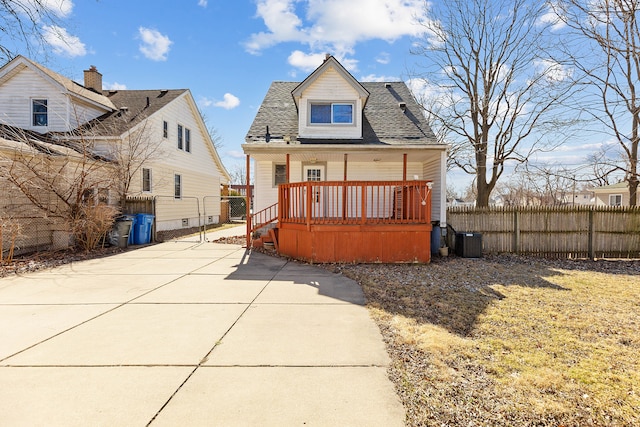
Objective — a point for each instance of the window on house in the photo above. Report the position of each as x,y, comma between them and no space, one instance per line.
331,113
177,186
180,137
40,114
280,175
187,140
165,129
146,180
615,200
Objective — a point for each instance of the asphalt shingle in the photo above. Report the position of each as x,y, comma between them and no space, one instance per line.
383,122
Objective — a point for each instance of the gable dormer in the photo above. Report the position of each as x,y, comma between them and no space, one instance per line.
330,103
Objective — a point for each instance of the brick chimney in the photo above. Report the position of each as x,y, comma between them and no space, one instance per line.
93,79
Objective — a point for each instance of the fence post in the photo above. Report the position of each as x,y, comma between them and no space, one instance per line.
591,235
516,231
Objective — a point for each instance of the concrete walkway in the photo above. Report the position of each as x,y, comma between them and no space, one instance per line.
189,334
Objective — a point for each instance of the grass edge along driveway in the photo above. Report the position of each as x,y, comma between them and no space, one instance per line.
508,340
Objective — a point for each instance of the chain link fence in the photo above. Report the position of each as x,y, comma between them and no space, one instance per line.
25,229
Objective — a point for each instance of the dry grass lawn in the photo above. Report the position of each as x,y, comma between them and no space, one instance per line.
510,341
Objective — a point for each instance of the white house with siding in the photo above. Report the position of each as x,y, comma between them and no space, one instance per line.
186,171
330,127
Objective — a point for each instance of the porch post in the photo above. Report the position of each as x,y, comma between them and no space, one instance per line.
404,167
248,203
344,189
345,166
288,164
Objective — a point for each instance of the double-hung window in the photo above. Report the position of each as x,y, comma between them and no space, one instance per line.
146,180
331,113
177,186
180,137
184,138
40,112
279,175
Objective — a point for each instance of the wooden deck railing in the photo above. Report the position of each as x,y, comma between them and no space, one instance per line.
355,202
263,217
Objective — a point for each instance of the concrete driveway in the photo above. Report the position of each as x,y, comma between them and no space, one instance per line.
186,333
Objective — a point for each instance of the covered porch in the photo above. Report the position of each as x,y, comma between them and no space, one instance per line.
348,220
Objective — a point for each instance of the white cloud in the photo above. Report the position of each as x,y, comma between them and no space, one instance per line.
552,19
553,71
329,25
203,3
62,42
310,61
229,102
304,61
280,18
374,78
59,8
205,102
236,154
115,86
155,46
383,58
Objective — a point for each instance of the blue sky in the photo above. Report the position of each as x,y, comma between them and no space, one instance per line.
228,52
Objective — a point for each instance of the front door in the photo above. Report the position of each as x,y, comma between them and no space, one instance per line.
315,173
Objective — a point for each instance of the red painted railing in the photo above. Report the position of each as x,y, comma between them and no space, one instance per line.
355,202
263,217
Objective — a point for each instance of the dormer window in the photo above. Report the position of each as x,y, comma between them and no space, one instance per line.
331,113
40,115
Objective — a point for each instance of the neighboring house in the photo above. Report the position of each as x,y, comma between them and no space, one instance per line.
183,170
612,195
579,197
350,171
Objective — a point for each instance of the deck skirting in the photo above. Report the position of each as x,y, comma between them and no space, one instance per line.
396,243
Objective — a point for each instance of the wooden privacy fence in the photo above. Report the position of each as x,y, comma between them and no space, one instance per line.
560,232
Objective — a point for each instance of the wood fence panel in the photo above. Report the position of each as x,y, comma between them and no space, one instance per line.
559,232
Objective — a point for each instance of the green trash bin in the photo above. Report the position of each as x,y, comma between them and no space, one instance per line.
119,235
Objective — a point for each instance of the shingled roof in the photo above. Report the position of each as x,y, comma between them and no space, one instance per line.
20,62
132,106
384,122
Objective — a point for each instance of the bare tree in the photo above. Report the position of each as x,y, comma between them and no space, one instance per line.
608,32
128,153
23,23
489,64
62,180
239,174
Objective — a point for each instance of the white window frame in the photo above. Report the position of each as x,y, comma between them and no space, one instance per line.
612,196
40,101
332,120
149,180
283,178
187,140
177,186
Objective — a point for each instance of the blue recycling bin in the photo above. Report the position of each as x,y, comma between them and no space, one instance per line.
142,230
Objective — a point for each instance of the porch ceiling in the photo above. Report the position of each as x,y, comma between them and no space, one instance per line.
335,153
